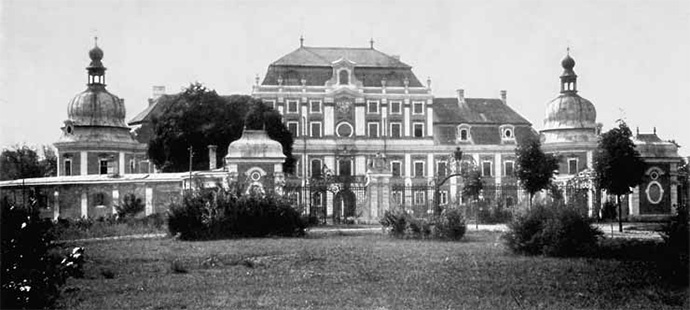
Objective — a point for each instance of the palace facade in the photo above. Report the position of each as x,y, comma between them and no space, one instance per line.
369,136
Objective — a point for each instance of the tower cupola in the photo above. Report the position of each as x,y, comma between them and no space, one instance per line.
568,78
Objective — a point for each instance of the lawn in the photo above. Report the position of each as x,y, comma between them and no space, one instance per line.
340,271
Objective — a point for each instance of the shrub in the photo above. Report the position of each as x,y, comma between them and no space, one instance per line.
676,235
450,225
608,212
569,234
31,270
558,231
396,221
130,207
220,214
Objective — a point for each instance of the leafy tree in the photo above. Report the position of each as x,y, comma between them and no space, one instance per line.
474,185
49,161
617,164
534,167
19,162
199,117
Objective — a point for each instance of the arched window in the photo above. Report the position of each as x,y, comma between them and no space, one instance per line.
344,77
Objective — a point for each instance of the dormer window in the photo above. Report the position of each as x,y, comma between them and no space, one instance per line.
463,133
344,77
507,132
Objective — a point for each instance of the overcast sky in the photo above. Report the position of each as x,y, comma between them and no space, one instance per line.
632,57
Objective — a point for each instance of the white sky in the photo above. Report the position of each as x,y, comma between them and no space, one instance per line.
632,57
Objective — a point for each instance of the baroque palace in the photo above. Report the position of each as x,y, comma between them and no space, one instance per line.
369,136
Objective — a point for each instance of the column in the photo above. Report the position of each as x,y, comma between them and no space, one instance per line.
430,166
116,200
149,201
360,124
408,166
84,205
360,165
329,204
328,119
429,120
121,163
56,205
406,118
83,163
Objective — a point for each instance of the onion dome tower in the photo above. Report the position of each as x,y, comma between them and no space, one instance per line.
95,138
569,117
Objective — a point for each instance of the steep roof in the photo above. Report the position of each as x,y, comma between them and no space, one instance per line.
325,56
475,110
157,107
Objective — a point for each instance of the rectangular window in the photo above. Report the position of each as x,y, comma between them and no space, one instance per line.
508,170
395,107
293,128
397,197
418,130
373,130
396,130
441,169
315,106
270,103
572,165
68,167
144,166
345,167
292,106
443,197
316,129
419,169
103,166
372,107
486,168
419,198
316,168
418,107
316,199
395,168
131,166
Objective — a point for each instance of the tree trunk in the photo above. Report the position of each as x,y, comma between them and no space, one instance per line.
620,214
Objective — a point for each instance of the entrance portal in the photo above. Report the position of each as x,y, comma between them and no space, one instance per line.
344,205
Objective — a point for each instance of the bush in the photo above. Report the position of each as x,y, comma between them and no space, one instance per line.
220,214
130,207
494,215
608,212
553,232
31,270
396,221
676,235
451,225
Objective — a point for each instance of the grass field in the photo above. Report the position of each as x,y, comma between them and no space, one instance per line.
337,271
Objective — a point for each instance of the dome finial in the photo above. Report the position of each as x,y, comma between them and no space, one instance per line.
95,40
301,40
567,50
371,43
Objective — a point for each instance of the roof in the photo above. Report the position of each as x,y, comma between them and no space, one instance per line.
325,56
475,110
648,137
97,178
157,107
651,146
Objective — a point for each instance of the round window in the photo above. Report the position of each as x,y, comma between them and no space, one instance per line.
69,129
655,192
255,176
654,175
344,130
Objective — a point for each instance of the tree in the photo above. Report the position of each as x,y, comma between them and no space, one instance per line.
22,161
199,117
49,161
617,165
474,185
534,167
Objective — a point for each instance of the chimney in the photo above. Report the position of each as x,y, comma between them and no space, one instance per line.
212,157
157,92
461,96
504,97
